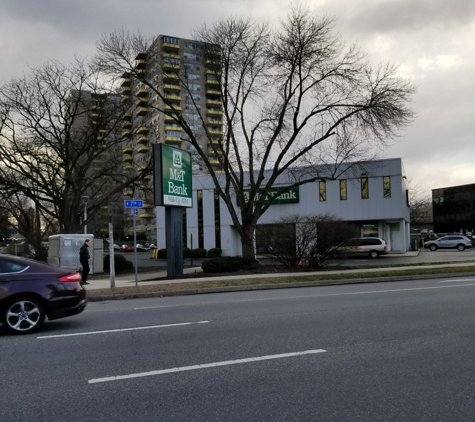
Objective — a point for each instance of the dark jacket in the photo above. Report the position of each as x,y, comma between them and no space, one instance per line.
84,253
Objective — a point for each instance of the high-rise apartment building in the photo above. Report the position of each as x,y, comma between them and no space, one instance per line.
182,79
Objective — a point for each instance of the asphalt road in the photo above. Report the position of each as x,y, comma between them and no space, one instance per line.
400,351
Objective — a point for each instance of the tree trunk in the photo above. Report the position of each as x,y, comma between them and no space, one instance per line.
247,243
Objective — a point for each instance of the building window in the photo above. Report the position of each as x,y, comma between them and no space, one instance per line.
387,186
201,242
343,191
322,188
217,221
364,186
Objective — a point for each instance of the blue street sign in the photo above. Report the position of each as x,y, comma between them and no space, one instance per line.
133,204
133,211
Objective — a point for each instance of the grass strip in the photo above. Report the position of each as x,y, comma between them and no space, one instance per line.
317,278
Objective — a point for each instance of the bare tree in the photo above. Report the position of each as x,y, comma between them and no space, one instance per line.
308,240
420,204
294,98
60,140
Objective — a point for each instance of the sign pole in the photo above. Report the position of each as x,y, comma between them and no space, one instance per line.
111,256
135,248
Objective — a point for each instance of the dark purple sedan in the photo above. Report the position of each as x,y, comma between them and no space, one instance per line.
30,290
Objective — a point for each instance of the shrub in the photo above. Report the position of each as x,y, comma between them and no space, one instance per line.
199,253
214,252
120,263
162,254
222,264
186,252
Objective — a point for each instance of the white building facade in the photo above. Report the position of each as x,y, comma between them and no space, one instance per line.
373,196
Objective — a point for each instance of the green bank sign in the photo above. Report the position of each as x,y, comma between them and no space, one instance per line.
290,196
172,176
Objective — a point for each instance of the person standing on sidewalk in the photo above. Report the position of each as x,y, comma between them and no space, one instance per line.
84,259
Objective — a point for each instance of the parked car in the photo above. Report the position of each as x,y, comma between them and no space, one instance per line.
142,248
116,247
126,248
31,291
371,246
449,242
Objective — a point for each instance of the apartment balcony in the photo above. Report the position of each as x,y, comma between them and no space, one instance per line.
177,108
127,116
142,102
170,87
125,90
125,81
125,98
128,167
173,138
143,149
141,61
212,82
141,92
128,192
143,140
142,168
128,159
169,118
128,150
214,122
146,215
172,97
171,55
173,128
148,177
146,205
212,72
213,112
171,66
126,124
214,162
126,132
141,72
215,132
213,92
170,47
213,63
214,102
141,111
170,77
141,130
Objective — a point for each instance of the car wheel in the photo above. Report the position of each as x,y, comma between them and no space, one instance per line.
373,254
23,315
433,248
461,248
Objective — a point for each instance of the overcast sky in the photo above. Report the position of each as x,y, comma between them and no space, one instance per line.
433,42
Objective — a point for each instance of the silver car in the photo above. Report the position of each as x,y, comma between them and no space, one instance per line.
449,242
371,246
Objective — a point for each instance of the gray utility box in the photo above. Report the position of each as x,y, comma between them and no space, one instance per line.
63,251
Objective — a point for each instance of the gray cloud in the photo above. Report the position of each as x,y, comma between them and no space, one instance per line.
432,40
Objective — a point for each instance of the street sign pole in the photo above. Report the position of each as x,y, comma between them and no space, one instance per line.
134,204
135,249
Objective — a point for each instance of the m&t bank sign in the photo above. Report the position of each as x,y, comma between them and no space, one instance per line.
172,176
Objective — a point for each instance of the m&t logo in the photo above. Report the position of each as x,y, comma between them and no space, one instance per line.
177,159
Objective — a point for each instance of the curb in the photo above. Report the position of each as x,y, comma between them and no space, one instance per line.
228,289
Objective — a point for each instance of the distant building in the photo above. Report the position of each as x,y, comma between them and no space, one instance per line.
375,200
454,209
187,73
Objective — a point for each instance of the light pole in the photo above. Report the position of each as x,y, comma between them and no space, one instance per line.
85,199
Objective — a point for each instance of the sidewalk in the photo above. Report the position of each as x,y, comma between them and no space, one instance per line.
152,278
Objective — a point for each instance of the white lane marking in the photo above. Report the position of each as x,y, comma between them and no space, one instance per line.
124,329
455,281
205,365
316,295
